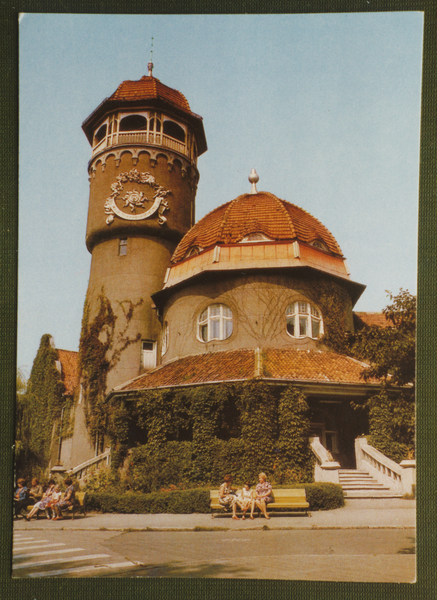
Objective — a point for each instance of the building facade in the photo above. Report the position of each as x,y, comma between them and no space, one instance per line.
258,289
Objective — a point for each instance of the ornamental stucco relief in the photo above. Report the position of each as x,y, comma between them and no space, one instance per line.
135,199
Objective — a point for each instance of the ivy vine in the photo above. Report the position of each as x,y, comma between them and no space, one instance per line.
100,349
240,428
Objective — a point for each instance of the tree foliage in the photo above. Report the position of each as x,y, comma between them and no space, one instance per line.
391,351
39,404
392,425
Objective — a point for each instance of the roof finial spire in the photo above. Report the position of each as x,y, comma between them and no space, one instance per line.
253,178
150,65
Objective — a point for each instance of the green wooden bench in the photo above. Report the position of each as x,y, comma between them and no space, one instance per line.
291,499
78,507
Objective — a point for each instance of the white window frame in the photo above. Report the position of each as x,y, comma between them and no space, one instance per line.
302,311
148,355
122,243
210,318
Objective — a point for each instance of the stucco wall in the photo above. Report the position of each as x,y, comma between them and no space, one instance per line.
258,303
180,214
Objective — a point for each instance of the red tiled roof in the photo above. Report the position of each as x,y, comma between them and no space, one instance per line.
147,88
371,318
235,365
255,213
70,370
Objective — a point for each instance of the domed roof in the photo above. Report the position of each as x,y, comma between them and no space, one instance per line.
147,88
260,212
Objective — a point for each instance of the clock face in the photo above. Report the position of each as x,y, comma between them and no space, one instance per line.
136,196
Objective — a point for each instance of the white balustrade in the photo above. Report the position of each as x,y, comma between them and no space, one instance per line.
141,137
400,478
326,469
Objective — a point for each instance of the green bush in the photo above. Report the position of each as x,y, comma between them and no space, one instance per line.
176,502
321,496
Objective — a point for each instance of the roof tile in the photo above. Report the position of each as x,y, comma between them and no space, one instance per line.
148,88
251,213
237,365
70,370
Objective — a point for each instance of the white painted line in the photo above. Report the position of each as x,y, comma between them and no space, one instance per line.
38,547
20,543
59,560
82,569
22,539
32,554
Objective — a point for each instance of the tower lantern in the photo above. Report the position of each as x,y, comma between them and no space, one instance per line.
143,176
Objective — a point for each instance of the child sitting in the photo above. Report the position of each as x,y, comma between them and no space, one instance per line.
244,498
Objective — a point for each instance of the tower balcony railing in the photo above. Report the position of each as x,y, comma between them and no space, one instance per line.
141,137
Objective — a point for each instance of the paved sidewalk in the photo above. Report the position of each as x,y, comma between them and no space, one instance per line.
378,513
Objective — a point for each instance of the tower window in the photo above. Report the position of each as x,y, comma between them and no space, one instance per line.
122,248
133,123
100,134
303,320
155,125
215,323
148,354
174,130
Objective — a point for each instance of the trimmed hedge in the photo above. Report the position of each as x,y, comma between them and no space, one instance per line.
321,496
175,502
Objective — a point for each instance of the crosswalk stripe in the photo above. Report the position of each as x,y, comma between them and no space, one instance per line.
58,560
27,543
32,554
21,539
82,569
36,547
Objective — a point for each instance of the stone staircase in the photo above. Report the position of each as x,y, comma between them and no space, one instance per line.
359,484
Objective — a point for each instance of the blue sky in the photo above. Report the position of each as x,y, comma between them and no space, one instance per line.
325,107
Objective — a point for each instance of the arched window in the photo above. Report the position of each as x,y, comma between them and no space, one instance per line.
256,237
133,123
215,323
100,134
174,130
319,244
303,320
194,251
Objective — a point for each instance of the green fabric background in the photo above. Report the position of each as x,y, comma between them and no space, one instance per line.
204,589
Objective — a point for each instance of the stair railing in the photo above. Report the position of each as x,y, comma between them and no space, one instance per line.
400,478
326,468
93,464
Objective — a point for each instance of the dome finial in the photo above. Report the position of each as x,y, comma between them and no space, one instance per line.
253,178
150,65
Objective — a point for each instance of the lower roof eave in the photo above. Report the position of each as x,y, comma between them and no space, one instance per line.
311,386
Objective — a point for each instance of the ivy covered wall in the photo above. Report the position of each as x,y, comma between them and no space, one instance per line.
196,435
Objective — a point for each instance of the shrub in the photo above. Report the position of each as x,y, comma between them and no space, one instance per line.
321,496
176,502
